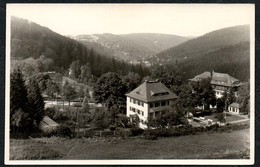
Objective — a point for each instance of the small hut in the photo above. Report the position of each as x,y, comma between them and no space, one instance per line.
48,125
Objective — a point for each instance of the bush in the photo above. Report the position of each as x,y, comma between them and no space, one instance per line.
61,131
213,127
136,131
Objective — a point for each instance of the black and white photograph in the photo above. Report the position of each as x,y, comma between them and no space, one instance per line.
110,84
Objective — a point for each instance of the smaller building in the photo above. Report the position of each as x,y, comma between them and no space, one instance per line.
48,125
220,82
234,108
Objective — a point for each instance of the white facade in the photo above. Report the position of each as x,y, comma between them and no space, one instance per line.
233,110
139,108
143,109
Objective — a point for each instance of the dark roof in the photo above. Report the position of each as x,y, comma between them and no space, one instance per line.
218,79
235,105
152,91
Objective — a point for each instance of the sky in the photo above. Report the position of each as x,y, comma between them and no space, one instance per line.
177,19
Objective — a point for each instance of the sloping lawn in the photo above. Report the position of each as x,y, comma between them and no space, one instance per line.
207,145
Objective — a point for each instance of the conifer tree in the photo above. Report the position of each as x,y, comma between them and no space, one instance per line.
36,101
20,113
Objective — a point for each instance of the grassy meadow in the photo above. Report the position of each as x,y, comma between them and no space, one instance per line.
226,145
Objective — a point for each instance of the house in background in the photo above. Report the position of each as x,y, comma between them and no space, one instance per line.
148,100
220,82
234,108
48,125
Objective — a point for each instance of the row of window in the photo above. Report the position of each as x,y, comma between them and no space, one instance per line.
139,112
232,109
155,114
140,103
158,104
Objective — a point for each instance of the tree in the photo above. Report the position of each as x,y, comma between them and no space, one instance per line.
85,104
81,92
52,88
20,113
69,92
132,80
244,98
85,74
109,89
186,98
100,119
42,80
205,95
75,68
169,75
36,101
220,102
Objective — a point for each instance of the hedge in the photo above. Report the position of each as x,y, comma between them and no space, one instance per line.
152,134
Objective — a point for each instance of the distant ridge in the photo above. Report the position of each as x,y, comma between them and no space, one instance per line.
225,50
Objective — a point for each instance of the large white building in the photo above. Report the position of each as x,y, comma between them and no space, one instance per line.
220,82
149,99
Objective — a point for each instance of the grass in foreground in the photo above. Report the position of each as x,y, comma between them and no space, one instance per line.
226,145
31,150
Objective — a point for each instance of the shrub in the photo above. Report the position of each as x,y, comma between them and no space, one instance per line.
61,131
213,127
136,131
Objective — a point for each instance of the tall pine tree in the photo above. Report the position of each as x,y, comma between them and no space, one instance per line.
20,113
36,101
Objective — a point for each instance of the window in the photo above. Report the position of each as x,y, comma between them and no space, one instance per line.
138,102
133,109
157,104
151,105
142,113
130,100
134,101
130,108
142,104
138,111
167,102
163,103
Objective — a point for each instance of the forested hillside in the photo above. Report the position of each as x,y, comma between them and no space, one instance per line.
234,60
207,43
30,40
225,50
130,47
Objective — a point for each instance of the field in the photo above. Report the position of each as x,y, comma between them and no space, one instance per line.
226,145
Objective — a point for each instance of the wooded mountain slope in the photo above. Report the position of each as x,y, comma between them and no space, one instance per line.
206,43
29,39
233,60
130,47
225,50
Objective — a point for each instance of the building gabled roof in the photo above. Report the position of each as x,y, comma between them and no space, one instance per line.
48,122
218,79
151,91
235,105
